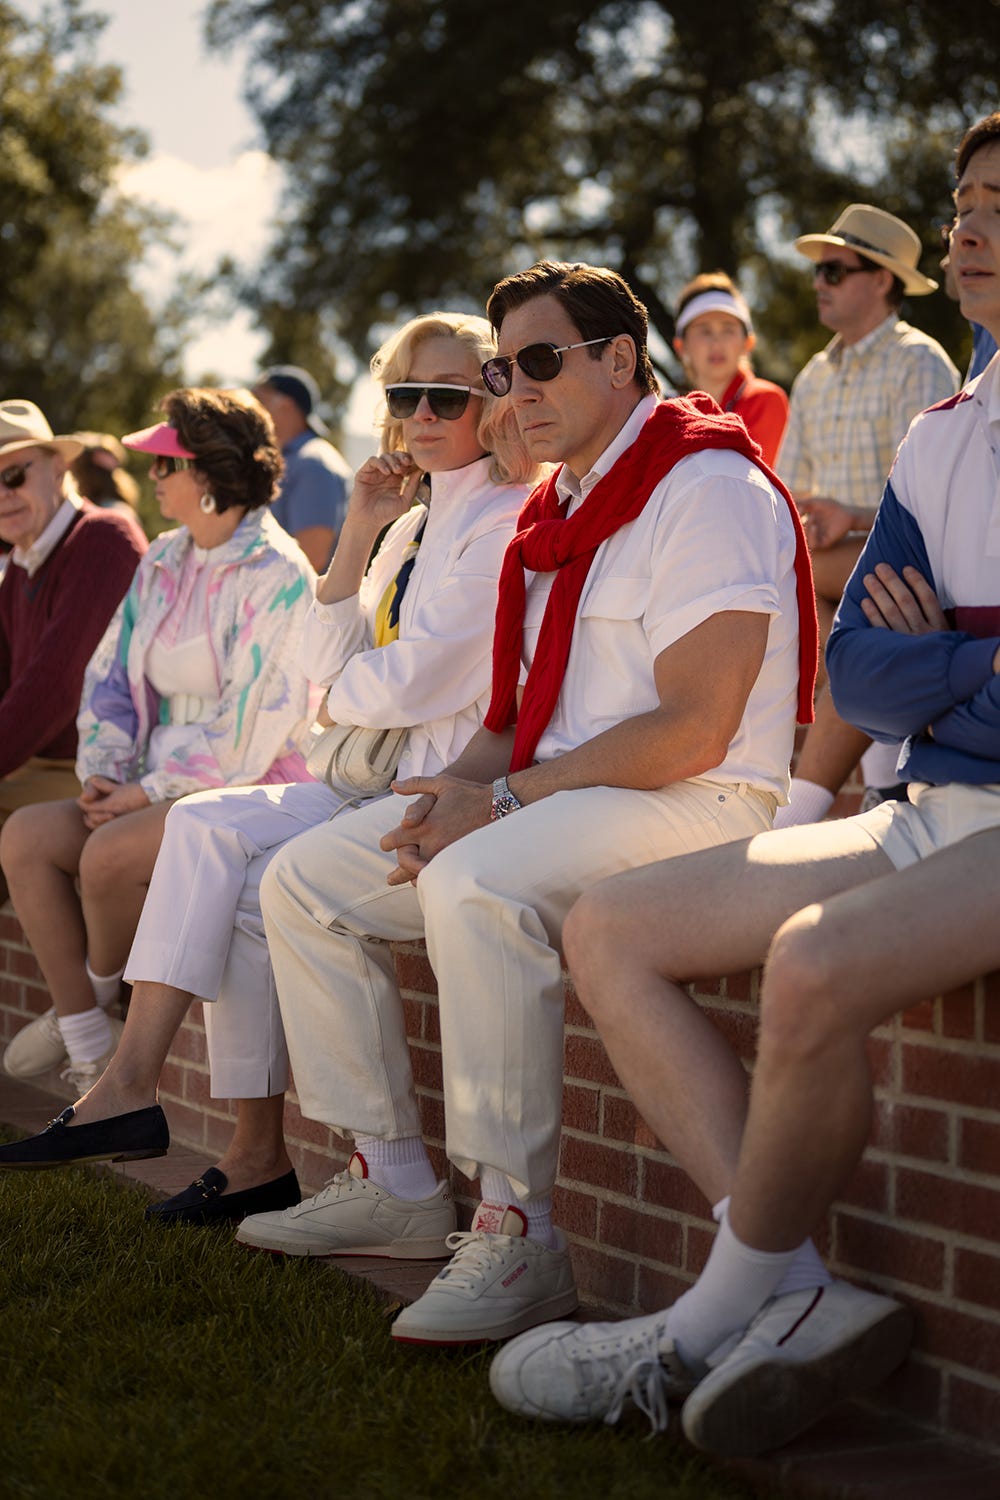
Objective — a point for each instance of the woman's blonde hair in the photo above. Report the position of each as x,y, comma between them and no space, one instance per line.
510,462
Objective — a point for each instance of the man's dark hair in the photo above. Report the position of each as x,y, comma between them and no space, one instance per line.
598,302
983,133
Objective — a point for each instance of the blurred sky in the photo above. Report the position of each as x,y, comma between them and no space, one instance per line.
205,164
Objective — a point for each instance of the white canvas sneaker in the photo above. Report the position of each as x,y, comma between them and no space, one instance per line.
497,1283
590,1372
802,1354
354,1216
37,1047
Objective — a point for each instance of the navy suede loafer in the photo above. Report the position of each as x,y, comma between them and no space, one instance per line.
129,1137
203,1201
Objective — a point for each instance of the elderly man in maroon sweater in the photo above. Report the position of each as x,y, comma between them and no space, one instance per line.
70,566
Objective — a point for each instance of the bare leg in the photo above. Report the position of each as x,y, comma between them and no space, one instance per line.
256,1154
115,870
631,939
130,1079
832,747
41,848
836,970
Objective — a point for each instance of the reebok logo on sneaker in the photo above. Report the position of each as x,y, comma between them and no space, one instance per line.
519,1271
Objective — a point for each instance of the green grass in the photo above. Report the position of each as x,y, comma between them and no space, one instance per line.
147,1362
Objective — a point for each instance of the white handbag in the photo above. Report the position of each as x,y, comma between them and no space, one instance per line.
349,757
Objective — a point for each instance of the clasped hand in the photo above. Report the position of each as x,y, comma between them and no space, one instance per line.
445,809
905,604
101,800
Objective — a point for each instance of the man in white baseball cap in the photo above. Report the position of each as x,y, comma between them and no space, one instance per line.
70,566
850,408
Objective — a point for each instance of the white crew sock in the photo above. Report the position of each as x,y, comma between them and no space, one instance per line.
87,1035
106,987
878,765
806,1270
496,1188
731,1290
402,1167
808,802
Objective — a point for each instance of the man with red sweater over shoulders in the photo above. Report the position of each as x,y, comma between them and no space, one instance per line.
70,566
650,599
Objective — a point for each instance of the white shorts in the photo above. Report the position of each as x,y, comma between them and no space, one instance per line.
934,818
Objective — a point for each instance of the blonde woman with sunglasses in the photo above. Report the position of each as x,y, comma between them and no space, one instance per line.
195,685
402,640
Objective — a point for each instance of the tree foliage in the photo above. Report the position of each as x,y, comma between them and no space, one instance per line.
435,145
76,335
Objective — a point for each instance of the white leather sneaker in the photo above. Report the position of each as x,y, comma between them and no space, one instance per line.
37,1047
590,1372
802,1354
497,1283
354,1216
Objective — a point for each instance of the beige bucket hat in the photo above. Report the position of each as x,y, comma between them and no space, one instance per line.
23,425
876,236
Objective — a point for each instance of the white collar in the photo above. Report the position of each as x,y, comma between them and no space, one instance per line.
568,487
31,558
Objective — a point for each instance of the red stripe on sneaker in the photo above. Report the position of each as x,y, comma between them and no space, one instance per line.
799,1321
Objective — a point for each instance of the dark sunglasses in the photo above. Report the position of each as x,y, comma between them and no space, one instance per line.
538,361
14,477
164,464
446,401
834,271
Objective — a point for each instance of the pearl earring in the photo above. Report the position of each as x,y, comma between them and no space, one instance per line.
207,504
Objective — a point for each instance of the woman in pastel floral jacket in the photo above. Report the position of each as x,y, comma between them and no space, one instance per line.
195,685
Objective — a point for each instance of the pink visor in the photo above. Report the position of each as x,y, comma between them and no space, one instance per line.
160,439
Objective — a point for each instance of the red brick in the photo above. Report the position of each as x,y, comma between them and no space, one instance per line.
945,1332
575,1212
583,1161
880,1059
656,1289
426,1065
575,1013
705,989
312,1132
585,1058
581,1107
172,1079
990,986
432,1116
921,1017
640,1233
187,1125
959,1012
742,986
959,1077
414,972
699,1240
413,1017
189,1044
973,1407
907,1130
619,1119
197,1088
924,1198
313,1167
977,1278
740,1030
668,1187
868,1187
23,964
979,1146
603,1277
888,1251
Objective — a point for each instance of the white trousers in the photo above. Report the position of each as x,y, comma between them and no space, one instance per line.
201,928
491,907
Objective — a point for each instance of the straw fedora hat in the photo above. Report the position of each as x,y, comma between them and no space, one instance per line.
876,236
23,425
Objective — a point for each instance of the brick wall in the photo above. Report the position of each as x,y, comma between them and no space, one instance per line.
920,1218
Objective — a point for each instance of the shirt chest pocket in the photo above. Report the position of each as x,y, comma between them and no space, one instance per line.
613,651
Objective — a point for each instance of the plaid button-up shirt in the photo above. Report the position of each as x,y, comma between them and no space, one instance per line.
850,409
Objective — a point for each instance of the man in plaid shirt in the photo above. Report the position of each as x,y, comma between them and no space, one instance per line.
850,409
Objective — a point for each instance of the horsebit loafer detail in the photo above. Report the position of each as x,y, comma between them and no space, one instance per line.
130,1137
202,1202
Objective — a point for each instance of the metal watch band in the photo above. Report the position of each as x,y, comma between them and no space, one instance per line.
504,801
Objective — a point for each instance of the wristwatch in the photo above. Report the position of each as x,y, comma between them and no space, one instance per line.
504,801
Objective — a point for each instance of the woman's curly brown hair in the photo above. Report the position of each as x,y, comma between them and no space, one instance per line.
233,441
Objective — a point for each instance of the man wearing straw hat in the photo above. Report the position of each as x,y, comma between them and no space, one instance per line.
850,408
70,566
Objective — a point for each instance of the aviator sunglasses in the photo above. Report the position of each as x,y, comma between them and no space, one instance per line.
538,361
446,401
14,477
164,465
834,271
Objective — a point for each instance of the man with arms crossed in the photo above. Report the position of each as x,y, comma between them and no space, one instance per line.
659,619
856,918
